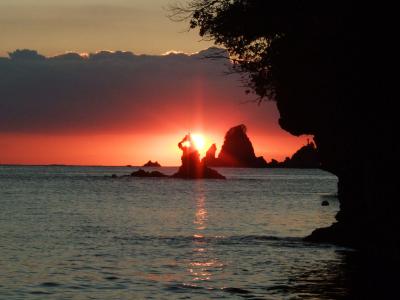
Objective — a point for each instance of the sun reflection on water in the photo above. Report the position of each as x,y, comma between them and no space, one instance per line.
203,264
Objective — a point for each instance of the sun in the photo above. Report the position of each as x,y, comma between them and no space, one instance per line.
199,141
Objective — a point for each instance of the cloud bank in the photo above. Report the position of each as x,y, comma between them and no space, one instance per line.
122,92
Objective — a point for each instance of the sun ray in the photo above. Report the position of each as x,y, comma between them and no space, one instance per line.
199,141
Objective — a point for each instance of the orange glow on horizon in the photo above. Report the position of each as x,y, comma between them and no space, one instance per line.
124,149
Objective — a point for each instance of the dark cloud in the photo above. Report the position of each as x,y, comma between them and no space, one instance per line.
119,91
26,54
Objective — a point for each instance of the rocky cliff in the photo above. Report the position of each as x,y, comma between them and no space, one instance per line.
237,151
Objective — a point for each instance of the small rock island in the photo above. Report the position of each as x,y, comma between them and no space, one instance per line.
143,173
191,168
152,164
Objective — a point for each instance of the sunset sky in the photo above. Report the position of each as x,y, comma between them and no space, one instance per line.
101,90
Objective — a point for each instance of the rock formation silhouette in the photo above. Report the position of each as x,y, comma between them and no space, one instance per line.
143,173
192,167
152,164
210,159
237,151
305,158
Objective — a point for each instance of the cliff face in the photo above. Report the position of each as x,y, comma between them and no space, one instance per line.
237,151
353,120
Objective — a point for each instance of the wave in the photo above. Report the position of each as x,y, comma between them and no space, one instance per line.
291,242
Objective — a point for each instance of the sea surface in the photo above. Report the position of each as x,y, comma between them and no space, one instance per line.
76,233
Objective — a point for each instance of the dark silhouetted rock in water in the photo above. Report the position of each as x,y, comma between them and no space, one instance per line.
152,164
201,172
325,203
143,173
237,151
192,167
305,158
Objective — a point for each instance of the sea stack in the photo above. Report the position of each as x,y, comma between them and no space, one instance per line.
192,167
237,151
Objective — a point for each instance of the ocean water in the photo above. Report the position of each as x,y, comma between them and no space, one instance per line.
76,233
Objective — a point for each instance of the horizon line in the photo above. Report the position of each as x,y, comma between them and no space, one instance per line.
79,165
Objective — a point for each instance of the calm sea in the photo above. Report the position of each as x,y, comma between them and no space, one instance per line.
73,233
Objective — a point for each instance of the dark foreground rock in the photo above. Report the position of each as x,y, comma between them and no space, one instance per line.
336,233
354,119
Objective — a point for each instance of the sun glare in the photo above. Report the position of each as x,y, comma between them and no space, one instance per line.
199,141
